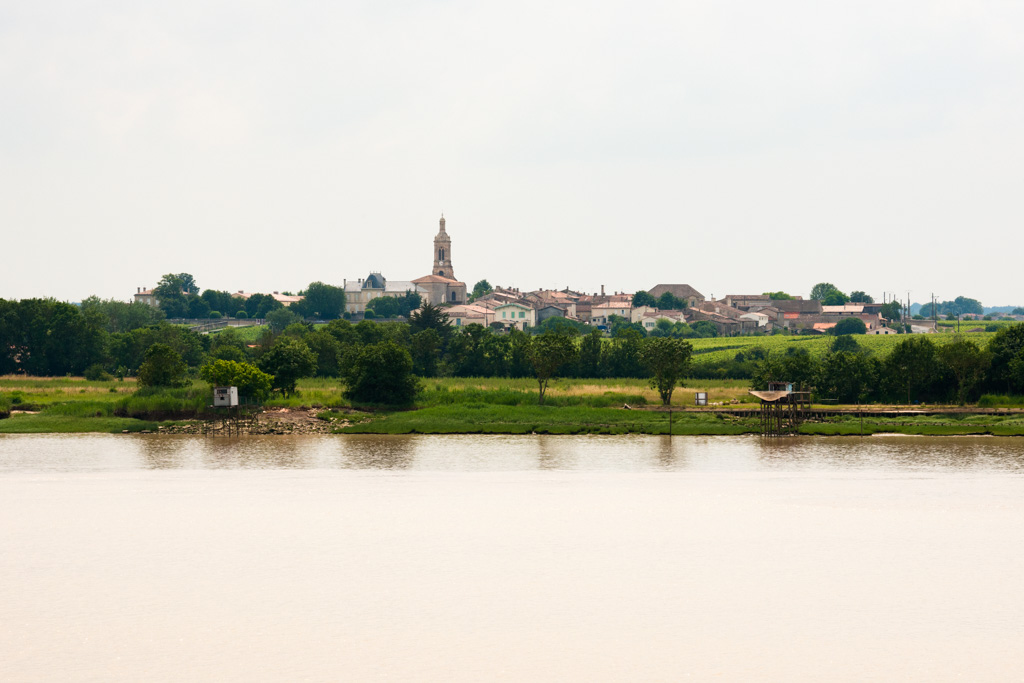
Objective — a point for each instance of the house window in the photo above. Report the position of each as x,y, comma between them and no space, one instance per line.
503,314
522,314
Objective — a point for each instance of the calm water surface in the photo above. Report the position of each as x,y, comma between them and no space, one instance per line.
530,558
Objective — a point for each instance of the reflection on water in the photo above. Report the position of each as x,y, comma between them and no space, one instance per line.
474,453
379,453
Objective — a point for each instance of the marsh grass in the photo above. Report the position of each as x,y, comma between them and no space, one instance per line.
43,423
479,418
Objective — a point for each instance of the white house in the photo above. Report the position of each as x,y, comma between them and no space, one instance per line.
600,313
515,315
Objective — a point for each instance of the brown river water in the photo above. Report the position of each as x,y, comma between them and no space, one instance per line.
510,558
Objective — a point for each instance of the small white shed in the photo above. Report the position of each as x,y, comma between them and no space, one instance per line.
225,396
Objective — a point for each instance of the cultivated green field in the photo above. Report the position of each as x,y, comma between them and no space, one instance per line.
719,349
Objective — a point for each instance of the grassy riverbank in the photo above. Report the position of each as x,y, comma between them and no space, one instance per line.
452,406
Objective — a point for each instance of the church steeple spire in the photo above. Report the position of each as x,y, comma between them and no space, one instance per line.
443,253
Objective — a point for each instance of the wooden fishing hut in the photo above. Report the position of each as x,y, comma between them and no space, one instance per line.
782,408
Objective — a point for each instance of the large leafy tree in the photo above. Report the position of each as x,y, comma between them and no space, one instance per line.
857,296
968,363
549,353
670,302
482,288
850,326
328,351
322,301
821,291
426,352
288,360
847,375
171,295
667,360
911,365
643,298
163,367
382,373
1007,349
778,296
260,305
589,364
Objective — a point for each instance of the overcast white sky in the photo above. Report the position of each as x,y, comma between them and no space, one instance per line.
735,146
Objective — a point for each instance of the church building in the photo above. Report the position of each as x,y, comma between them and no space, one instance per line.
440,286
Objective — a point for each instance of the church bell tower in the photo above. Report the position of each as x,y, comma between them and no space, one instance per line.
443,253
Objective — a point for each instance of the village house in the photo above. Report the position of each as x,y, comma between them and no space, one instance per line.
470,314
600,313
514,315
648,319
684,292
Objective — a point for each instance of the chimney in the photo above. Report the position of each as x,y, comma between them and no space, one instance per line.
276,292
602,290
138,290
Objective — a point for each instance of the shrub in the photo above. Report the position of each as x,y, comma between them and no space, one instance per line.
251,382
369,315
96,373
215,315
241,315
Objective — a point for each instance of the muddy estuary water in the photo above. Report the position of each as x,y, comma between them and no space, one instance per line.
518,558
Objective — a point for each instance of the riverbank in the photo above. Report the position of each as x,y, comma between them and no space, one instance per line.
464,406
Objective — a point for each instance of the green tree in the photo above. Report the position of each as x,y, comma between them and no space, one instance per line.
778,296
260,305
482,288
119,316
170,295
288,360
549,353
252,383
188,283
850,326
912,364
431,317
821,291
643,298
670,302
589,364
163,367
968,363
860,297
835,298
1018,311
322,301
1007,349
667,360
382,373
892,311
281,318
848,376
426,352
328,352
